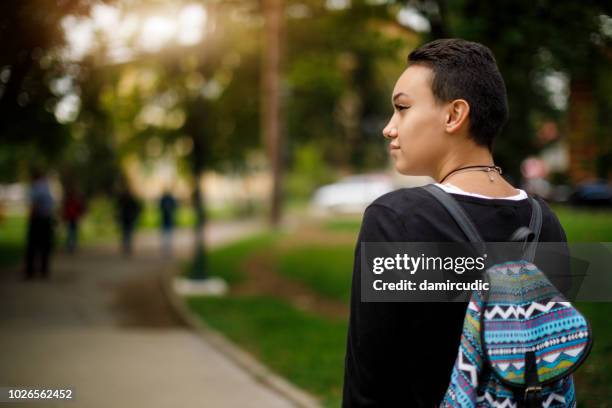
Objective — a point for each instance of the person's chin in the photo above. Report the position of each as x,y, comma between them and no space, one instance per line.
406,170
403,170
401,166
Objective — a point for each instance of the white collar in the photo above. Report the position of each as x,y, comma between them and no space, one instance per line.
449,188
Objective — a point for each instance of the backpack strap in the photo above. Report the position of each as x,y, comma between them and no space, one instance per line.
535,225
530,235
459,215
471,232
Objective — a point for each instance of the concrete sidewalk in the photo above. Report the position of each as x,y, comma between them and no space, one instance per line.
102,326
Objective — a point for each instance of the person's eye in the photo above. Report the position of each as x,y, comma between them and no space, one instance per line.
400,108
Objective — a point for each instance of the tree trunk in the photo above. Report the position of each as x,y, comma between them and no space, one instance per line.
272,120
198,270
583,146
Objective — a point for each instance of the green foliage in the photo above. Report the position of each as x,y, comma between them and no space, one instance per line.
204,100
99,223
531,40
338,82
31,134
309,171
150,217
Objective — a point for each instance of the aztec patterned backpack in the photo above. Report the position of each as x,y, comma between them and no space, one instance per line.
522,339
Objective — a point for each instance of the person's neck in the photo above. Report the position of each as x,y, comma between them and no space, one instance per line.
478,182
462,157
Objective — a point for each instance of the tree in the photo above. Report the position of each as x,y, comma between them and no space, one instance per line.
197,94
29,63
341,66
271,100
531,41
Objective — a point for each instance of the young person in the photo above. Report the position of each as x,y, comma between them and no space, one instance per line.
449,104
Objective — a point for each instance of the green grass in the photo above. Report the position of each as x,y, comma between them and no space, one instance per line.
12,239
594,377
582,225
324,269
304,348
226,262
349,224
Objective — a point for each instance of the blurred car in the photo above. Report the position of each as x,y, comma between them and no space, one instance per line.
597,193
352,194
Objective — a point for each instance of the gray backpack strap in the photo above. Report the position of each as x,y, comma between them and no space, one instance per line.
459,215
467,226
535,225
530,235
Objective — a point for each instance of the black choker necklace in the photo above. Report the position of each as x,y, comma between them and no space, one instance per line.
484,168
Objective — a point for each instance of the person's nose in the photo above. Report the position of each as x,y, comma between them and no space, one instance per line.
390,131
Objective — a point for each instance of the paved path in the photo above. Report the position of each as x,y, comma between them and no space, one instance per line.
102,326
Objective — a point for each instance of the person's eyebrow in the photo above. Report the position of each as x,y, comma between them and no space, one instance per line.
397,95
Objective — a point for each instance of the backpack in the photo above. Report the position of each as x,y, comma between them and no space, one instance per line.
521,339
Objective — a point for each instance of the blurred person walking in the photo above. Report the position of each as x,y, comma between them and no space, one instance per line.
167,207
39,239
128,210
73,208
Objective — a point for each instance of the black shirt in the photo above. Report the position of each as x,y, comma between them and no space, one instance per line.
402,354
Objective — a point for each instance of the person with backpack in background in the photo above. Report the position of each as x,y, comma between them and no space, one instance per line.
449,104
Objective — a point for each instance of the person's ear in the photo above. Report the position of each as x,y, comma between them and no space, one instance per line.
457,115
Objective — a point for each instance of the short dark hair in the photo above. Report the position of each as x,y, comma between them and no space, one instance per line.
467,70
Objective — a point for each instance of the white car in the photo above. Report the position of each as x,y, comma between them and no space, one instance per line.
351,194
